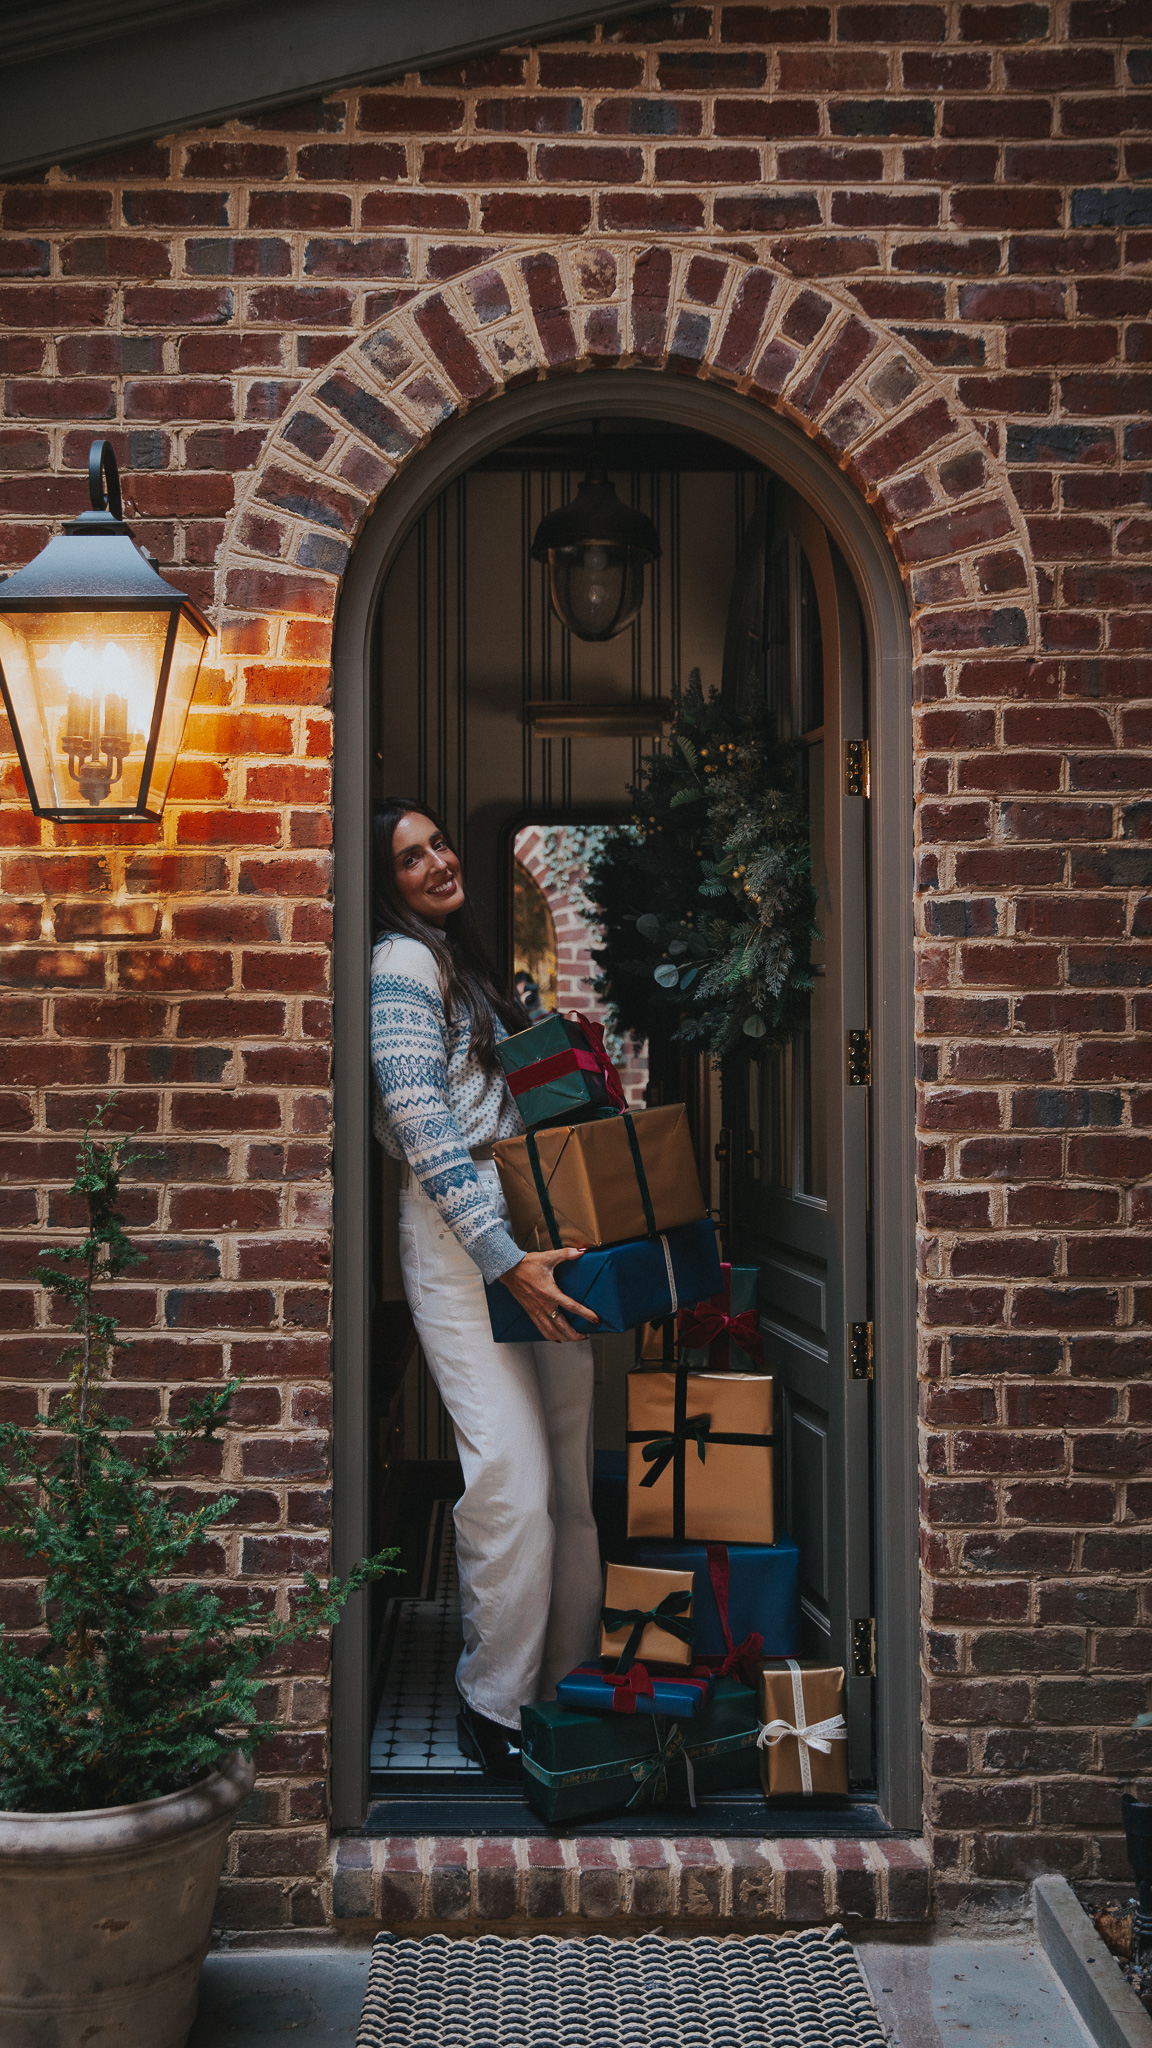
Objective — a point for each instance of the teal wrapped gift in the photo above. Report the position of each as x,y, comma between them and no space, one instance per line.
723,1335
623,1284
579,1765
720,1743
744,1594
559,1071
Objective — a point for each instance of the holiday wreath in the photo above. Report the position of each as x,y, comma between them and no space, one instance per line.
711,879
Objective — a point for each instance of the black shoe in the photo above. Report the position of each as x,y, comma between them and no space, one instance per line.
495,1748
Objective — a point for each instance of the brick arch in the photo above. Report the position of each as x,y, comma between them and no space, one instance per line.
871,402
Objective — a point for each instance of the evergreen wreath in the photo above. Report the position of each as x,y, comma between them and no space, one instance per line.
712,876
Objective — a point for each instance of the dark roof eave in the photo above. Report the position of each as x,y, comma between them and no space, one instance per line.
97,84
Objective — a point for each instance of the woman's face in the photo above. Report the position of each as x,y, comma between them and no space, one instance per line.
427,870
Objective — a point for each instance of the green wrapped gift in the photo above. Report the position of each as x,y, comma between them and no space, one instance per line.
721,1743
578,1765
559,1071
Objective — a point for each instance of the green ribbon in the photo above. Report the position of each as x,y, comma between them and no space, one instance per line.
651,1773
669,1616
659,1451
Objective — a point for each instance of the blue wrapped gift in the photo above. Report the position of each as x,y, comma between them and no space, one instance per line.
598,1689
761,1581
624,1284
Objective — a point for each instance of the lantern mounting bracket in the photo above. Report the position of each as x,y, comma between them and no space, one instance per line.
104,480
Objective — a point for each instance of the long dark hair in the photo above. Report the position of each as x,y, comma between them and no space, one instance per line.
467,977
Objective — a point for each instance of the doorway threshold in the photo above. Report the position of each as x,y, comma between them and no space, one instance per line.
468,1806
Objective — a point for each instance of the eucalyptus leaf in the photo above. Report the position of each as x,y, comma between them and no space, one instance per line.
648,926
677,946
667,975
754,1027
688,976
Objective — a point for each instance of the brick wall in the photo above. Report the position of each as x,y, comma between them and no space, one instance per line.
958,196
575,967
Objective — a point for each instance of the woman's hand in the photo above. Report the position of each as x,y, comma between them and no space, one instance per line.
532,1283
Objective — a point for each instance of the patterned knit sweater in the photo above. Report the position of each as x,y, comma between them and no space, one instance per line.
435,1102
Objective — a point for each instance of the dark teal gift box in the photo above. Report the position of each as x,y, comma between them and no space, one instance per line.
623,1284
756,1584
559,1072
578,1765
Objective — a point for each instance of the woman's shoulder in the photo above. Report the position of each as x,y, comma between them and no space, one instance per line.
396,954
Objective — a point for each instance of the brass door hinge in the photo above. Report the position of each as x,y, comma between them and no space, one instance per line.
857,778
859,1059
860,1351
864,1647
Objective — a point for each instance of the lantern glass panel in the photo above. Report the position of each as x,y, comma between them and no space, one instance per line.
83,690
597,589
186,657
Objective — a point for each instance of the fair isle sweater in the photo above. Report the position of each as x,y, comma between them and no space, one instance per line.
434,1101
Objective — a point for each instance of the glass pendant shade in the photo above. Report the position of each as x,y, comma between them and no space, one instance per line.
596,549
98,661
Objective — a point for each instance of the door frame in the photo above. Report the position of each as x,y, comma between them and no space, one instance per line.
454,448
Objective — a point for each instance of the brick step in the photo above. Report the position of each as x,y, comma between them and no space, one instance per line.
486,1881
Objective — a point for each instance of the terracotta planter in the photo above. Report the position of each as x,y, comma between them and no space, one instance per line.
107,1916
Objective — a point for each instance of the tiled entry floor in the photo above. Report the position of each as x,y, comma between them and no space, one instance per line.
416,1724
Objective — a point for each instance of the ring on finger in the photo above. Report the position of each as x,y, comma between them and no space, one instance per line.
554,1316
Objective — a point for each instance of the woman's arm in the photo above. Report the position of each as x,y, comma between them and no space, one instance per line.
409,1043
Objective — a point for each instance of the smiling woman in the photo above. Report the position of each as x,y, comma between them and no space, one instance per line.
526,1541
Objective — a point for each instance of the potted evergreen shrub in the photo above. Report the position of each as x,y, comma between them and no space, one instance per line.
126,1717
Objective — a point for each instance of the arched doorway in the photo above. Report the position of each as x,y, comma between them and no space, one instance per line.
879,1191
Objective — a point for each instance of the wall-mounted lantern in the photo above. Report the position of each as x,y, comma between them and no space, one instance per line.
98,661
596,549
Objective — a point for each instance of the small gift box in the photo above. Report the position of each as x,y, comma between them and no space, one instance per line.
646,1614
593,1689
601,1183
803,1740
580,1765
723,1334
625,1285
700,1456
745,1596
559,1071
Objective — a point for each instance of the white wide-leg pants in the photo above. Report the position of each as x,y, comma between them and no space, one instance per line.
526,1542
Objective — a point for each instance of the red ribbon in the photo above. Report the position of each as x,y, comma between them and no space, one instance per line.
627,1686
707,1325
574,1059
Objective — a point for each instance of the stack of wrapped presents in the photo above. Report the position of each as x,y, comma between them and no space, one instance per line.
698,1686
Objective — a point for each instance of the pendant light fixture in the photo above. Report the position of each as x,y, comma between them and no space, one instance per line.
98,661
596,549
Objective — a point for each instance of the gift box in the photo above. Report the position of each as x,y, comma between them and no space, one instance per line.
723,1334
646,1614
745,1596
659,1343
594,1689
579,1765
803,1740
720,1743
601,1183
700,1456
559,1071
625,1285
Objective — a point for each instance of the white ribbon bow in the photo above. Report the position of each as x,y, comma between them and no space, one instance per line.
809,1734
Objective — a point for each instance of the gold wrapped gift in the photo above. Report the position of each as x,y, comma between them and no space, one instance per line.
803,1734
700,1456
601,1183
658,1343
635,1593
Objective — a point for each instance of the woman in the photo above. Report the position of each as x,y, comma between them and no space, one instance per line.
526,1541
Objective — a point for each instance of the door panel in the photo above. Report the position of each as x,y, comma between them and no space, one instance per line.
799,1199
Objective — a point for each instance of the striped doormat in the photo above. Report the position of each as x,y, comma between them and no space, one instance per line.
795,1991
